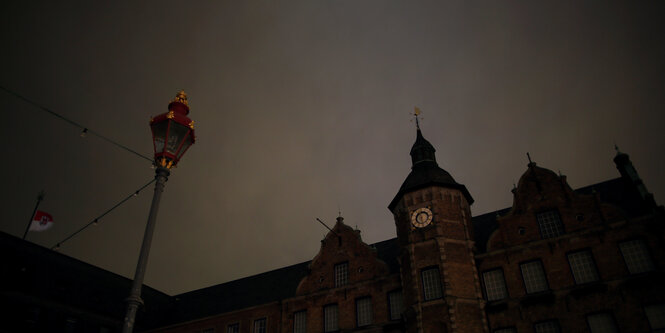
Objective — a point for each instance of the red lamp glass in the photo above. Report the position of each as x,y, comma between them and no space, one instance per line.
172,132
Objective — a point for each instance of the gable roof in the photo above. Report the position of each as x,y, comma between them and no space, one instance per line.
617,192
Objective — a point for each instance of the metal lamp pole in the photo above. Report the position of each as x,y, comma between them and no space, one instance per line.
172,135
134,300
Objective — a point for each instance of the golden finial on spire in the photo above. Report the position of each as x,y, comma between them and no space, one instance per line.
181,97
416,114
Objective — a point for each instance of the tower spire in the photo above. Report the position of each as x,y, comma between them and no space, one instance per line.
531,163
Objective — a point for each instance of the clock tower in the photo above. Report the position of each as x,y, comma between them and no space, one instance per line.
439,279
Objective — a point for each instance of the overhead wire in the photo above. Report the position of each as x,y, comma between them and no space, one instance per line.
84,130
96,220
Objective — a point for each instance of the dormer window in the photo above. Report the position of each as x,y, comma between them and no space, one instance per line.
549,224
341,274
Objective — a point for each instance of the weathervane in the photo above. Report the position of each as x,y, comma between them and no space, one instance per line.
416,114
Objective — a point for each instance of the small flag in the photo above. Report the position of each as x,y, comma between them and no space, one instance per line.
41,221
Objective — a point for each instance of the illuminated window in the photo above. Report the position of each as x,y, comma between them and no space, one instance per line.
396,304
495,285
637,257
601,323
330,318
431,283
533,275
300,322
549,224
363,311
260,325
583,267
341,274
550,326
656,315
233,328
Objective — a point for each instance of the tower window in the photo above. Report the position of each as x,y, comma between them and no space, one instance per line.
534,278
431,283
233,328
363,311
583,268
549,224
495,285
637,257
330,323
341,274
300,322
260,325
550,326
601,323
396,304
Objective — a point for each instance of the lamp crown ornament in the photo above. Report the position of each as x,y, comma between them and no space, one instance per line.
179,104
181,97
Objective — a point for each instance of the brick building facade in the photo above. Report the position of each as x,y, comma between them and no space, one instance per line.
558,260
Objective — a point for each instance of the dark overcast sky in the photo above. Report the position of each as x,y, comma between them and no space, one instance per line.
302,107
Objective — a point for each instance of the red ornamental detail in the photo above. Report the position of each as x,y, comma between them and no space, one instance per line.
172,132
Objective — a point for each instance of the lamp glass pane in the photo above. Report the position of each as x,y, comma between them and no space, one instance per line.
185,145
158,135
176,134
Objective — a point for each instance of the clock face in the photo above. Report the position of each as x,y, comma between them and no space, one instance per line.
421,217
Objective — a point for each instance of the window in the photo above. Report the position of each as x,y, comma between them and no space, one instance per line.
637,257
431,283
549,224
300,322
601,323
341,274
260,325
330,318
505,330
550,326
233,328
582,266
495,285
534,278
396,304
656,315
363,311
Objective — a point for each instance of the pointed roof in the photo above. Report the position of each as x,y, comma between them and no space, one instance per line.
426,172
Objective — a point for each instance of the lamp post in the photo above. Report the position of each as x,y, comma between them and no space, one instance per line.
172,135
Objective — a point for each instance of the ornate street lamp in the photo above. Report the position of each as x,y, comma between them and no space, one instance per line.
172,132
172,135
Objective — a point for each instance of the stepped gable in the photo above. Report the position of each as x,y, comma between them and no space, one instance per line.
342,244
540,189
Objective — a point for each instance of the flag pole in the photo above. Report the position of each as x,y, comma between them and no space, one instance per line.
40,197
